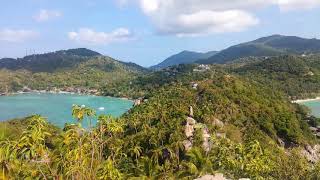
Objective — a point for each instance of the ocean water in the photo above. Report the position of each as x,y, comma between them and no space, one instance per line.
314,106
57,107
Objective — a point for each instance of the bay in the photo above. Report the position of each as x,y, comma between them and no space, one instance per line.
314,106
57,107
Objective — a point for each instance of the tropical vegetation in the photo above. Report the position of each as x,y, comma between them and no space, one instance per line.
240,116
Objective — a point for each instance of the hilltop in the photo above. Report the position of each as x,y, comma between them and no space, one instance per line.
184,57
65,68
49,62
274,45
296,76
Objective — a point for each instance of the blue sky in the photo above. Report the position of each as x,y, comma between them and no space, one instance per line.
148,31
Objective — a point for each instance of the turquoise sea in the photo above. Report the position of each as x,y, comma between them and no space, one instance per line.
314,106
57,107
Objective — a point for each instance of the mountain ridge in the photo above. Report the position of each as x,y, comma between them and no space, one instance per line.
274,45
184,57
63,69
52,61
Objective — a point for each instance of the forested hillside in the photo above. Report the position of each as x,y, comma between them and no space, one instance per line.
234,127
191,120
275,45
296,76
49,62
184,57
64,69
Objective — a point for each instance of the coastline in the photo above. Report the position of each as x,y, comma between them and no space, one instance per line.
305,100
50,92
65,92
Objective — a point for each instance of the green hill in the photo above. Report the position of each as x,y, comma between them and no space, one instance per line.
237,127
192,120
184,57
62,69
237,87
49,62
267,46
296,76
291,44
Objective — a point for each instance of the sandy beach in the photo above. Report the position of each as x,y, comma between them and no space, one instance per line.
305,100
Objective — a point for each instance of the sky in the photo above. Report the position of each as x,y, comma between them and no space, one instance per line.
148,31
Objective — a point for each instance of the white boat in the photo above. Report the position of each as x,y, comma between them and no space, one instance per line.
101,108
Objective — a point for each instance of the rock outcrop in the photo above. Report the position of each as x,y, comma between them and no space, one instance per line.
187,145
217,176
191,111
137,102
312,153
206,140
281,142
190,126
217,123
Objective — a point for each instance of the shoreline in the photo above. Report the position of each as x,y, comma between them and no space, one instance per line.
50,92
65,92
306,100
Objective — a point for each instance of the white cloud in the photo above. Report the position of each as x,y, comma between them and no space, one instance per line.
89,36
150,6
194,17
11,35
201,17
45,15
206,22
287,5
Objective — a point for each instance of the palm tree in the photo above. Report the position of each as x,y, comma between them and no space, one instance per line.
109,171
135,151
156,155
147,169
197,164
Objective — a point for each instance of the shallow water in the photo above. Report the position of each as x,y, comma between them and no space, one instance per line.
314,106
57,107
